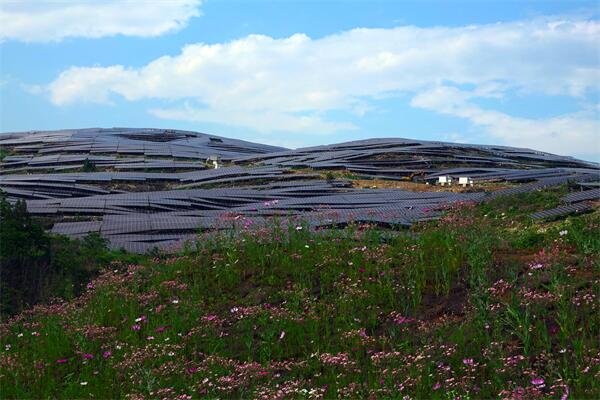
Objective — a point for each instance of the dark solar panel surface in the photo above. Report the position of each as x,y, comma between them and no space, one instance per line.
152,187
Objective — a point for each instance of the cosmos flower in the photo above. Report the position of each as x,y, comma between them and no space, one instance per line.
539,382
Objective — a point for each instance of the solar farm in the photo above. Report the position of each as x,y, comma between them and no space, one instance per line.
146,188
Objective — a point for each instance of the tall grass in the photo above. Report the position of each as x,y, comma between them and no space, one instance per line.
452,309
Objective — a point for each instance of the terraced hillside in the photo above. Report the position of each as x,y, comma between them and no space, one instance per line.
145,188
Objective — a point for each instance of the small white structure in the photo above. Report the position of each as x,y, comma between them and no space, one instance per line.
443,180
465,181
214,160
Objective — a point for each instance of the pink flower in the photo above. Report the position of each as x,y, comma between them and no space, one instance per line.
281,336
106,354
150,338
469,362
90,285
88,356
539,382
437,386
136,327
160,329
61,361
402,320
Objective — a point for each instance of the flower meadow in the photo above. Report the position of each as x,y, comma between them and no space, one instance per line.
483,303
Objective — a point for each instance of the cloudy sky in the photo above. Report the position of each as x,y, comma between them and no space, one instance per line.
522,73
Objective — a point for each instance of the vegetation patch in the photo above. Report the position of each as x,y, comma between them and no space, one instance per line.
483,303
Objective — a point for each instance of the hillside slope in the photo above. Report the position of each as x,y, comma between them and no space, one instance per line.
484,303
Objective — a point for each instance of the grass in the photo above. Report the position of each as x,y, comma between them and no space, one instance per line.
483,303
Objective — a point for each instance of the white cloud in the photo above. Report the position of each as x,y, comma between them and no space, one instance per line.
263,122
574,133
45,21
290,84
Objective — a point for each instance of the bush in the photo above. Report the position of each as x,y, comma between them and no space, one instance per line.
88,166
35,266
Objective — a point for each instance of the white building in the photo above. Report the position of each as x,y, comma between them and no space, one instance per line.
465,180
443,180
214,160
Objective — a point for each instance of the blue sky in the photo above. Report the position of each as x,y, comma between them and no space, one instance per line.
522,73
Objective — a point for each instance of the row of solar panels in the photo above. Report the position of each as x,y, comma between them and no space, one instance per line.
31,186
158,142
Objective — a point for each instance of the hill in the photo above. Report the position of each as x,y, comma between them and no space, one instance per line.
147,188
483,303
339,271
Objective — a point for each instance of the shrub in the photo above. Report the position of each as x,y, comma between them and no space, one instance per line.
35,266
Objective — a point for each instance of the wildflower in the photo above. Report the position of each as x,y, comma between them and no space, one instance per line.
141,319
7,347
88,356
400,319
298,228
565,394
20,335
563,232
136,327
35,334
437,386
150,338
90,285
469,362
61,361
539,382
106,354
281,336
175,301
83,383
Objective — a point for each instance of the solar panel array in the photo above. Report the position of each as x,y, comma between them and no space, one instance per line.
427,160
151,187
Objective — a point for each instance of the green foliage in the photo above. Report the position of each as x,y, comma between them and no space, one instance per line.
471,306
521,205
3,153
88,166
35,266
